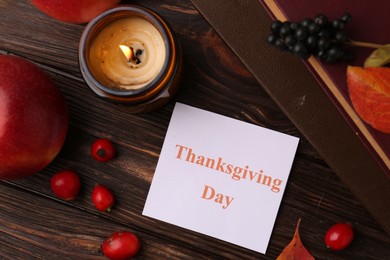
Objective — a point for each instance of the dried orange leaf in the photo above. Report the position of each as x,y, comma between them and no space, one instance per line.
295,250
369,90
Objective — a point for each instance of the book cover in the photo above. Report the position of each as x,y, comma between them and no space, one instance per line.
244,26
367,26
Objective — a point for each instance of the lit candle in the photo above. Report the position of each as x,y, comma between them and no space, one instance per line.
129,54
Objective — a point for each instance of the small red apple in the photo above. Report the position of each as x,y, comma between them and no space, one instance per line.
33,118
74,11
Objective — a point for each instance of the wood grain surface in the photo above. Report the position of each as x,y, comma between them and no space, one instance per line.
36,225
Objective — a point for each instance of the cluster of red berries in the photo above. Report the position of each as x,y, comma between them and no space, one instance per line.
66,185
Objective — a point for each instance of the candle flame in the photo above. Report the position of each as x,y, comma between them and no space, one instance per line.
128,52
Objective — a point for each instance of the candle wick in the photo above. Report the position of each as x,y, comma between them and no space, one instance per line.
137,54
131,56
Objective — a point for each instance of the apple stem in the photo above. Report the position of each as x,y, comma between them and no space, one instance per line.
365,44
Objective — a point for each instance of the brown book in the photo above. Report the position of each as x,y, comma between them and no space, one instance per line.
367,27
304,96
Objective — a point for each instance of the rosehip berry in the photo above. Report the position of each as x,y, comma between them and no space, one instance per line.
102,198
121,245
339,236
103,150
65,184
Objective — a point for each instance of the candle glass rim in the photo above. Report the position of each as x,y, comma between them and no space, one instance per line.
99,22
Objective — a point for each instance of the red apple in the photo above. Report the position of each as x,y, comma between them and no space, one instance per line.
33,118
74,11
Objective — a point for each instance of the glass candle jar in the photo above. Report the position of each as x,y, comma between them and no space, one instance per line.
129,55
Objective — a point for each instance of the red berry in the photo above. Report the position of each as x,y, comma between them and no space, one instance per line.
102,198
339,236
103,150
121,246
65,184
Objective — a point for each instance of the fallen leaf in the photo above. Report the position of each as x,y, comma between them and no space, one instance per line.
295,249
369,90
379,57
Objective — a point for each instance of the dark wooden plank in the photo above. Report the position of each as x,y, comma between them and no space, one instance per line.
37,227
214,79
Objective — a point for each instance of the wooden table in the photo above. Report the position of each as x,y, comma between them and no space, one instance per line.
36,225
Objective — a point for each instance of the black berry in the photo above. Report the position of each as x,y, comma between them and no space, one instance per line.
340,37
346,18
306,22
275,26
338,24
290,40
319,36
321,20
312,42
301,33
285,30
272,38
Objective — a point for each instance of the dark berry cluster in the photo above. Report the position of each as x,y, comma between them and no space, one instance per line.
320,37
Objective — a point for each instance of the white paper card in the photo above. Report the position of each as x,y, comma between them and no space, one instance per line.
221,177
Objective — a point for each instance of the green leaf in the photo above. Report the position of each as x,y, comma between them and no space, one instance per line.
379,57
